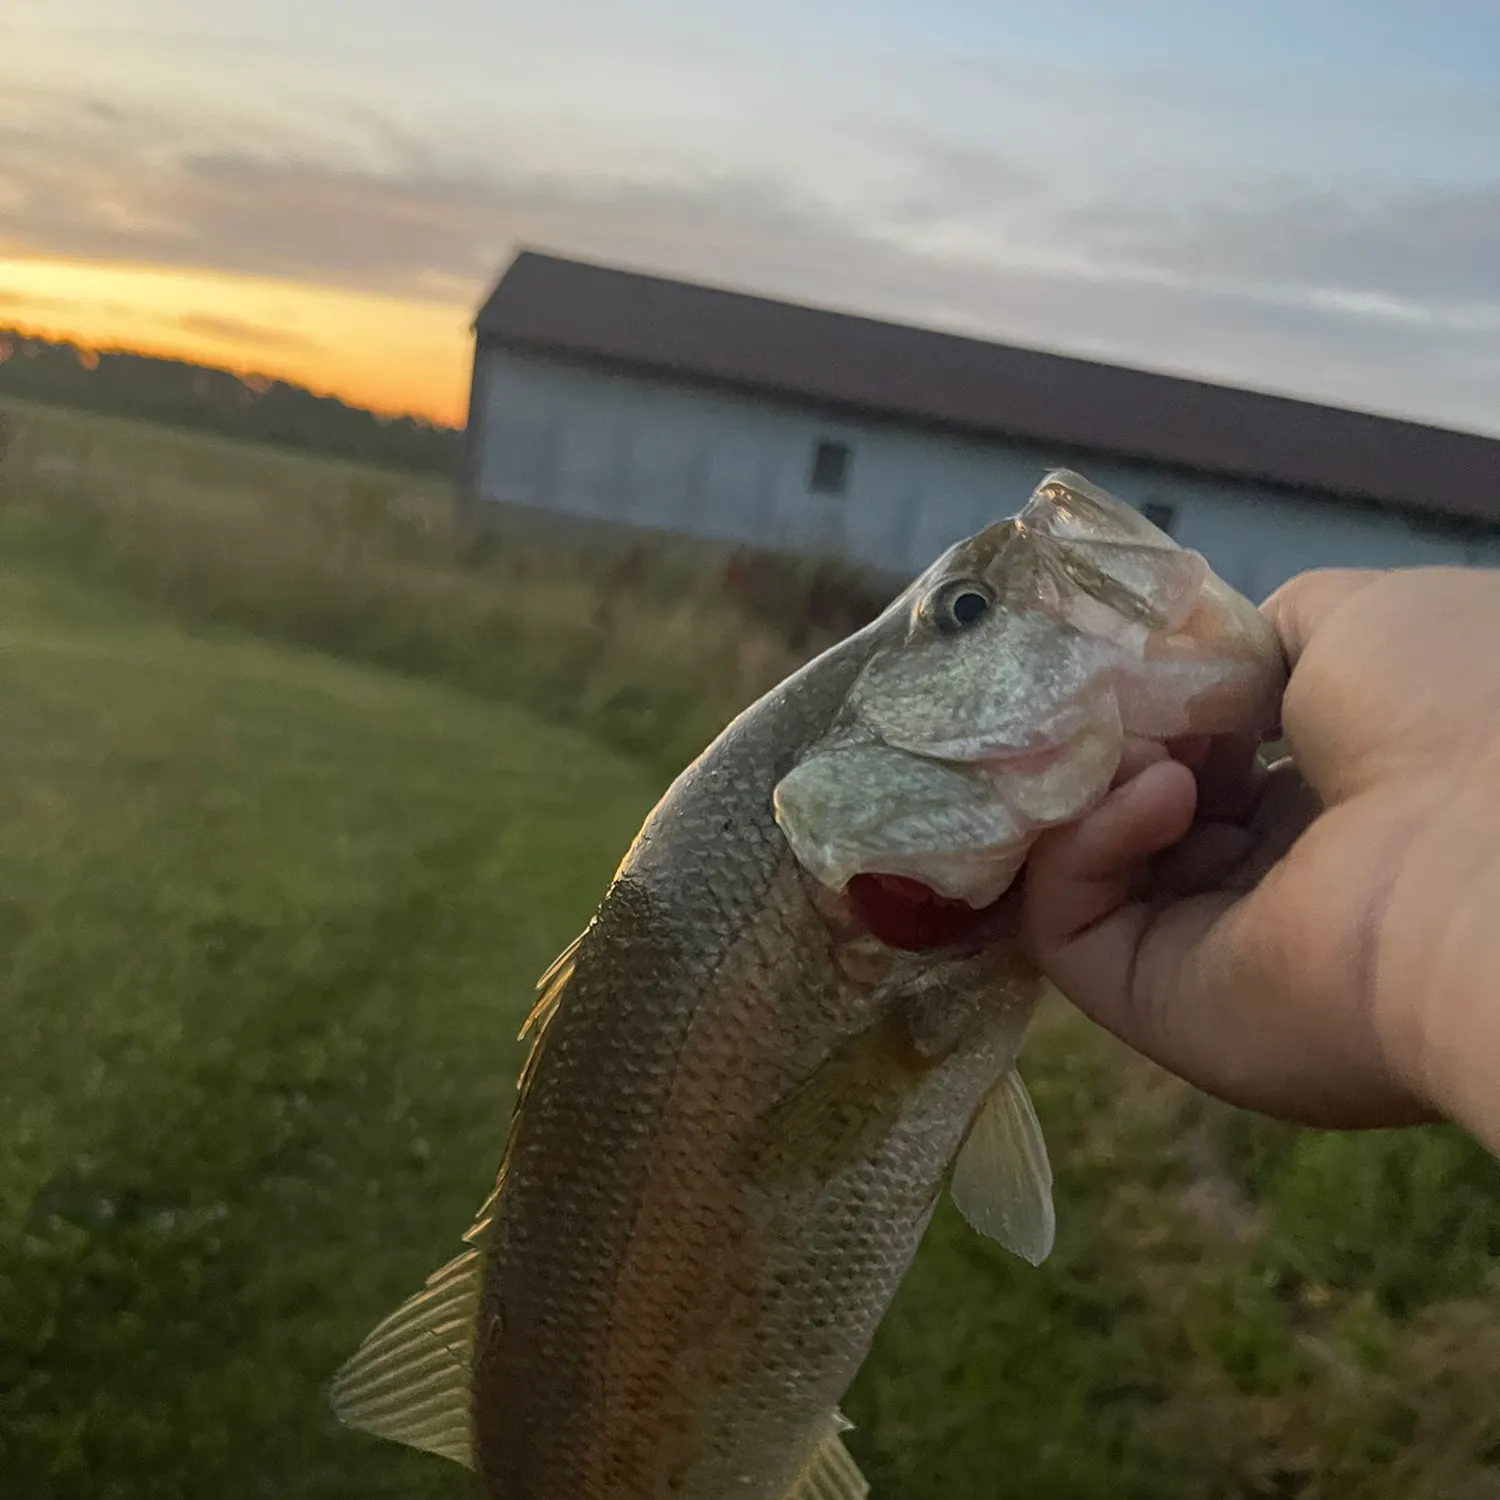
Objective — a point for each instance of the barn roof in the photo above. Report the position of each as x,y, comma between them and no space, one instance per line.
568,307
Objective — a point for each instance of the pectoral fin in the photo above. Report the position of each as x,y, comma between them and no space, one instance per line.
1002,1180
830,1473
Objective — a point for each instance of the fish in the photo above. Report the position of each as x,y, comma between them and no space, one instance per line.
793,1018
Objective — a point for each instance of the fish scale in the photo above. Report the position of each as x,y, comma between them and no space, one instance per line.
747,1087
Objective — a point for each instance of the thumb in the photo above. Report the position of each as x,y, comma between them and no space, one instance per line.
1238,992
1082,921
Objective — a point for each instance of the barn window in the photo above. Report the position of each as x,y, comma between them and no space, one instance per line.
1160,515
830,468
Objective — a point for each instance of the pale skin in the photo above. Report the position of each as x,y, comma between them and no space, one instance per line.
1320,942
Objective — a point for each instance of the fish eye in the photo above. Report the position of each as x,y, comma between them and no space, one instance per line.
960,605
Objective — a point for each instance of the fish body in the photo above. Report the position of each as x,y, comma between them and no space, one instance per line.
795,1013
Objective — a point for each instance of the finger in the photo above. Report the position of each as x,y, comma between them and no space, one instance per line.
1245,995
1233,855
1191,749
1080,876
1200,990
1136,755
1392,679
1301,605
1230,778
1285,810
1222,995
1206,860
1330,717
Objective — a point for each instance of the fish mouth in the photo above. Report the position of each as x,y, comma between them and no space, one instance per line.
904,913
1024,761
1018,756
924,854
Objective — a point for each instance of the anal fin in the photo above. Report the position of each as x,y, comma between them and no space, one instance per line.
830,1474
412,1379
1002,1180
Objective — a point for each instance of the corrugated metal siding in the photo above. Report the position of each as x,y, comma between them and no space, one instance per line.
653,452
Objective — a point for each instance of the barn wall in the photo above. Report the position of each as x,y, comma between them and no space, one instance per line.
593,442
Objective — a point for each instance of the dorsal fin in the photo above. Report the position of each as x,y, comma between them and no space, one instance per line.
549,993
830,1474
412,1379
550,986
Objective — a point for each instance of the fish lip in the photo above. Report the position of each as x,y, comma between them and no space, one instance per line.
1033,754
1022,760
1035,750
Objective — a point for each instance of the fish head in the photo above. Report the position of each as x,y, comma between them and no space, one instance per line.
1000,690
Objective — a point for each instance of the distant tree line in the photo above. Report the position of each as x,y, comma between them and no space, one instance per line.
251,408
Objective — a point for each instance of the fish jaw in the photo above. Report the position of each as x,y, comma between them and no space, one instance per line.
1089,606
917,852
1200,657
961,829
873,809
958,746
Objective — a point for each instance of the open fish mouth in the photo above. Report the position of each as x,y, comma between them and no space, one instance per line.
970,896
926,852
905,913
999,702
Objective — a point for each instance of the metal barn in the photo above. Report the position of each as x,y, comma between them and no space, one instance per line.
605,394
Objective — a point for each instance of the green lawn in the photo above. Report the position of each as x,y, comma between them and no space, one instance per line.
269,919
269,925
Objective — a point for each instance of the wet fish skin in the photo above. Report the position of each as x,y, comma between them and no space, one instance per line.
759,1266
742,1104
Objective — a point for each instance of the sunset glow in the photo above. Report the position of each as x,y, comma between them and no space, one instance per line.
391,354
1262,193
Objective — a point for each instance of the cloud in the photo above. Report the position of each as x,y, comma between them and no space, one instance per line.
1376,297
944,180
1437,245
12,301
239,331
142,194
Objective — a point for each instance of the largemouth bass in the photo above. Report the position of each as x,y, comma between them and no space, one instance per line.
796,1014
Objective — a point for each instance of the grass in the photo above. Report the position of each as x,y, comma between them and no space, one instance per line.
368,565
268,925
289,823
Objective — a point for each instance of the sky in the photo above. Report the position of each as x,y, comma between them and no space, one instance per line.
1299,197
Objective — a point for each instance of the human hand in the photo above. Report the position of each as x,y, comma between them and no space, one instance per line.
1320,941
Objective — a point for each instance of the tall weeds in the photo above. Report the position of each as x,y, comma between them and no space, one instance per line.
651,646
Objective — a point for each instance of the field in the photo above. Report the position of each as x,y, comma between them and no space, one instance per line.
299,790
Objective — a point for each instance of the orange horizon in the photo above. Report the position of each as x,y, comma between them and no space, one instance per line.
61,338
389,354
